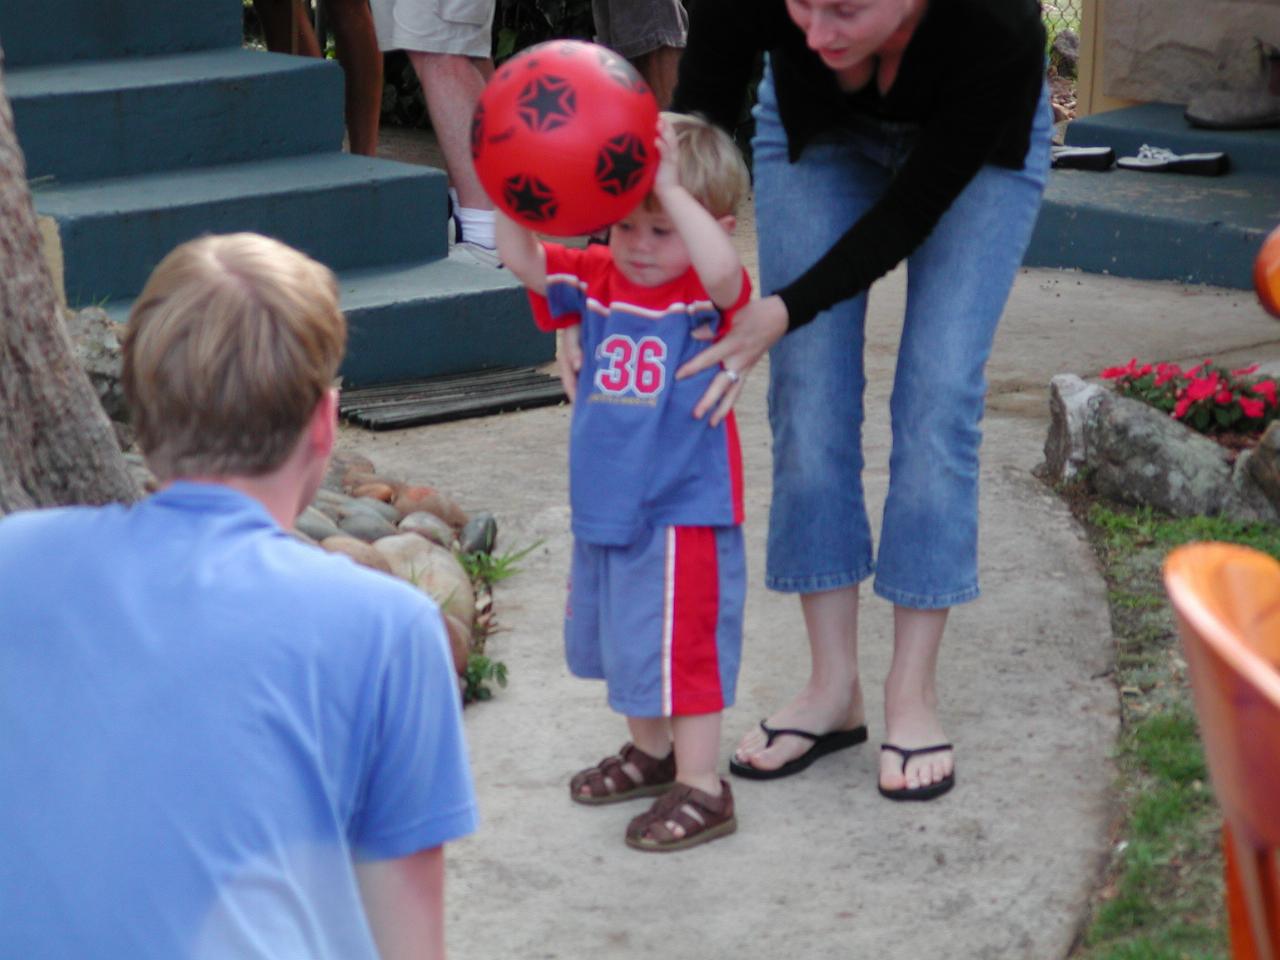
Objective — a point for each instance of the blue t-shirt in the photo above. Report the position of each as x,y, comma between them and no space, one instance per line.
637,456
203,722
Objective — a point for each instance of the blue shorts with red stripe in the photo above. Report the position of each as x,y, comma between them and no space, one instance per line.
660,620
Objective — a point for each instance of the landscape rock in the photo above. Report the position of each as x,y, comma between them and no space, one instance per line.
1134,453
411,499
376,491
1139,455
365,525
359,477
459,641
434,570
1262,466
316,525
479,534
95,338
427,525
379,508
339,465
1064,448
361,552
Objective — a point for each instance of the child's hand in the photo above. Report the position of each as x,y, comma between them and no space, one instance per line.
668,175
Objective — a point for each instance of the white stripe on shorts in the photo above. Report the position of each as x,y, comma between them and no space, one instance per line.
668,619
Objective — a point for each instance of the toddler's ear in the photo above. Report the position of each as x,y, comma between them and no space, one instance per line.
729,222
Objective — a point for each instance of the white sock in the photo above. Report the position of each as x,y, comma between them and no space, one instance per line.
477,226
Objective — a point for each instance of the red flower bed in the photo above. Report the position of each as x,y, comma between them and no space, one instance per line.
1206,397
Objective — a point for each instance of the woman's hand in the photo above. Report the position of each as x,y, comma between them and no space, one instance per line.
756,328
569,359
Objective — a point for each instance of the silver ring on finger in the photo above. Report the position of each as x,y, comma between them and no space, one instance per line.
733,375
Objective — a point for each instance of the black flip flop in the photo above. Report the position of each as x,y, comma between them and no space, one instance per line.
918,793
1082,158
823,743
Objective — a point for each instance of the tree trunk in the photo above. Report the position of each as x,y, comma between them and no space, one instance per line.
56,443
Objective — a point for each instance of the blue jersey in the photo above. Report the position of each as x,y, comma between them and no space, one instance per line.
637,456
204,724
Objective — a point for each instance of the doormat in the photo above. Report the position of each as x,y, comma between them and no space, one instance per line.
413,403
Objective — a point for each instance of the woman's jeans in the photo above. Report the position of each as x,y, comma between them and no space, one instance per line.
957,283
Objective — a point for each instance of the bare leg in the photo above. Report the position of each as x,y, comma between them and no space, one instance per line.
281,21
651,734
832,699
357,48
697,740
911,700
451,85
659,68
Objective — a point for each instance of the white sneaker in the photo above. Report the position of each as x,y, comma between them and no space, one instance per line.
482,256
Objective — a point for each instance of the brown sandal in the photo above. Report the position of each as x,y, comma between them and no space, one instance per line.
610,782
699,815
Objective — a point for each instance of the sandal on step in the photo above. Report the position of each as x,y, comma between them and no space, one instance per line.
699,815
610,781
928,791
1211,164
1081,158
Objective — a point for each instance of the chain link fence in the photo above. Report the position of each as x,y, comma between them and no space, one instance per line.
1062,15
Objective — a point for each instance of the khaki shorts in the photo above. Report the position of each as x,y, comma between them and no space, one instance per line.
634,27
435,26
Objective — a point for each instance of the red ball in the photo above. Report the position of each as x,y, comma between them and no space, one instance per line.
562,138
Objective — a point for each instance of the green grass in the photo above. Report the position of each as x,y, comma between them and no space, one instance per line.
1162,896
486,569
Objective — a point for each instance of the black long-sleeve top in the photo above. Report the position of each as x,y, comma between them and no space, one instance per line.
970,78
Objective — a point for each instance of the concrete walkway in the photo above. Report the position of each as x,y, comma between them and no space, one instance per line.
822,866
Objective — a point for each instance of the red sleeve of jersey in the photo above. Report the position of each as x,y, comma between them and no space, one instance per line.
744,297
542,314
564,264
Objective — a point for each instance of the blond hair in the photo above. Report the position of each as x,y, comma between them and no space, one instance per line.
708,164
229,348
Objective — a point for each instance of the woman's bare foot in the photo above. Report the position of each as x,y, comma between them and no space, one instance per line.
816,713
910,728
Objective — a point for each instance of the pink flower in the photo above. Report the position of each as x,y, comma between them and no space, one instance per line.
1223,397
1265,389
1129,370
1182,406
1202,388
1166,372
1253,409
1245,371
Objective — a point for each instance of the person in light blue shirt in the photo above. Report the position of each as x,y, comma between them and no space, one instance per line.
218,741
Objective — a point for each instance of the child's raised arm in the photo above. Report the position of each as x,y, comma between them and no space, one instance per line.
708,240
521,253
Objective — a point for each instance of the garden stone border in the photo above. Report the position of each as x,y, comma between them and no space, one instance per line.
1133,453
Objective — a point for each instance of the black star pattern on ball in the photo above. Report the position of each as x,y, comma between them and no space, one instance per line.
620,164
529,198
546,103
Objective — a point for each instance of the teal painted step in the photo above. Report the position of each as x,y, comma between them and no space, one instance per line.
450,316
415,321
1156,226
1162,125
115,118
58,31
346,211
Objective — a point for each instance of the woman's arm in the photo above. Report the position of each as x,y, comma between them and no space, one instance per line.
952,147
